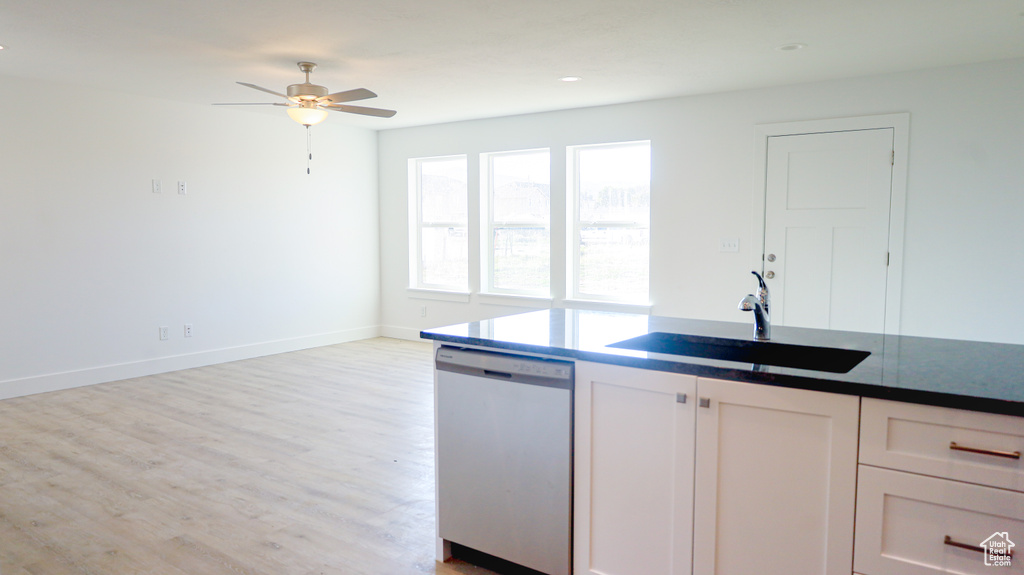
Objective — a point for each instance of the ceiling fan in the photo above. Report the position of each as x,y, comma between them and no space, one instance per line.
308,103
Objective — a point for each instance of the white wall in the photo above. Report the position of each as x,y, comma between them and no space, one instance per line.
965,193
262,258
258,257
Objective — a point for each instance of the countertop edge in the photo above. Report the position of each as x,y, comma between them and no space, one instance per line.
823,384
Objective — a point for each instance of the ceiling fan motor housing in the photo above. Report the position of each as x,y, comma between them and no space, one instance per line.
306,91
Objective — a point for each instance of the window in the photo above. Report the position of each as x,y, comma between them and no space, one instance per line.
439,233
516,209
599,245
610,192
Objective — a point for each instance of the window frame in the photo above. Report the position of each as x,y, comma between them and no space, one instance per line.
488,224
575,225
417,225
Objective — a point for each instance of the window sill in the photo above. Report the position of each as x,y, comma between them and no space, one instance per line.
439,295
598,305
514,300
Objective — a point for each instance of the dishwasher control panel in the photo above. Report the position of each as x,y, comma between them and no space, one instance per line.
539,368
512,367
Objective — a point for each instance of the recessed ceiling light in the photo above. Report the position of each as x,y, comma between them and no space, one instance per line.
570,78
791,47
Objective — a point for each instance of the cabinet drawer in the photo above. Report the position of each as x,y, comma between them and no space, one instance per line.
980,448
903,521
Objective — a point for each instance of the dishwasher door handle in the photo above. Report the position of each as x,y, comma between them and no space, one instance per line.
501,374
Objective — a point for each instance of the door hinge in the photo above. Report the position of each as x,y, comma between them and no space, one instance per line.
892,158
886,259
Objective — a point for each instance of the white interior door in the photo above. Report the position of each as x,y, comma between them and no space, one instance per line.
826,231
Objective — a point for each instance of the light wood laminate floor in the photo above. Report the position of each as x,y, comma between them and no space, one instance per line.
312,462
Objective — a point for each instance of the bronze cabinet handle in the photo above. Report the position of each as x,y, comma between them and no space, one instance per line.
978,548
1006,454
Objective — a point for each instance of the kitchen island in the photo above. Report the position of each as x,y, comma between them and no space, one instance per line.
904,464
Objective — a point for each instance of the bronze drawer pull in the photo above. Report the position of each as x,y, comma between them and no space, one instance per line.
949,541
1006,454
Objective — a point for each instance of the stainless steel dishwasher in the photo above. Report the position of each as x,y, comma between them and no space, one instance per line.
504,456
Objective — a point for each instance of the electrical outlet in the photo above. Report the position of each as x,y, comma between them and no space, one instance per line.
182,187
423,311
156,186
188,330
165,333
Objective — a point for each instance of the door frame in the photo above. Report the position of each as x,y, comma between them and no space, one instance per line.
900,124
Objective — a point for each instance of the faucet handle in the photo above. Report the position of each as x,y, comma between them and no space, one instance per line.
748,303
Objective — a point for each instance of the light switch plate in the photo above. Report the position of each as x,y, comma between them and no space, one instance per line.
729,245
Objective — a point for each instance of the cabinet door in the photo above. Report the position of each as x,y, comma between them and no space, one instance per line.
775,480
633,471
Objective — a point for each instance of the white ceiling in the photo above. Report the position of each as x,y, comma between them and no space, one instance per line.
445,60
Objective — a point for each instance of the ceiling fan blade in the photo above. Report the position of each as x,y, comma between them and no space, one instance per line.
347,96
252,104
361,110
262,89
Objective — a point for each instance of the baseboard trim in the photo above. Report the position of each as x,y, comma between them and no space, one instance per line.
398,332
103,374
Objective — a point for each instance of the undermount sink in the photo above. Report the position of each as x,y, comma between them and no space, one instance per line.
828,359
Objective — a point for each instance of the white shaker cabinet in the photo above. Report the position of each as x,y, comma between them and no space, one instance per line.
741,478
633,466
909,524
937,485
775,484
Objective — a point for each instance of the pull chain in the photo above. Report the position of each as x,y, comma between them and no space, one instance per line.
309,148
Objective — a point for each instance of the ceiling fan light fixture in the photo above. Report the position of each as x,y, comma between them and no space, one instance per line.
307,114
309,103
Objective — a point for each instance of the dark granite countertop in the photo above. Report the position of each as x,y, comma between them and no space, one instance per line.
961,374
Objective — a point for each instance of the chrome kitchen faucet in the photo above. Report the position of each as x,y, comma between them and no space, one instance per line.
760,304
